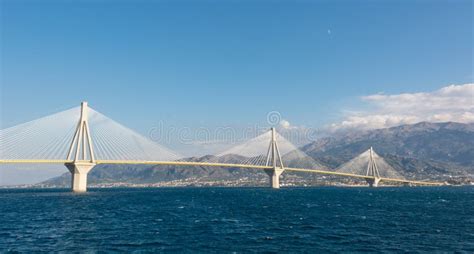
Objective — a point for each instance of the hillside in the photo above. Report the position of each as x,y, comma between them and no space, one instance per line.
420,151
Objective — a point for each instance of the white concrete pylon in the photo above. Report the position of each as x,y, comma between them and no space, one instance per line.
372,170
81,148
81,153
274,156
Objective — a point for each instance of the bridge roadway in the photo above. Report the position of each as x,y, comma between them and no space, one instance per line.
227,165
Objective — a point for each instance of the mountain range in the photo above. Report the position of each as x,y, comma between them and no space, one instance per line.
435,151
423,150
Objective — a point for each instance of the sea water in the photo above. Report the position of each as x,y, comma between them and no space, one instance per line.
324,219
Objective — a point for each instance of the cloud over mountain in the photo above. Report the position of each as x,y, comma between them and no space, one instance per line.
451,103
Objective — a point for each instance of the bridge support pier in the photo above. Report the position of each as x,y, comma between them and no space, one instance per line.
274,160
274,175
79,171
372,170
374,182
81,153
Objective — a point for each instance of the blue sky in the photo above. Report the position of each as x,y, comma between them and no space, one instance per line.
205,64
212,63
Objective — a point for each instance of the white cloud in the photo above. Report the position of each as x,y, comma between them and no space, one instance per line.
285,124
451,103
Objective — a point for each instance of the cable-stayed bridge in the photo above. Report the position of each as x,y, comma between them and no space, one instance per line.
81,138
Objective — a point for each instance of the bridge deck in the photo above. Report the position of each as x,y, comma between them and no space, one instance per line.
212,164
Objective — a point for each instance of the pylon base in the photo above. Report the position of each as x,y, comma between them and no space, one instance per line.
79,171
373,182
274,175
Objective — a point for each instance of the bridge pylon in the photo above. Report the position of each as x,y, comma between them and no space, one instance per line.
274,160
81,153
372,170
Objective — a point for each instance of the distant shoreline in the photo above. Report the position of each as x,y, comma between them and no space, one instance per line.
138,186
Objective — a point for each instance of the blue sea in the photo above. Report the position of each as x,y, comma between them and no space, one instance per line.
239,220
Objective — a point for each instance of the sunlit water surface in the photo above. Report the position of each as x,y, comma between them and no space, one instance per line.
239,220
